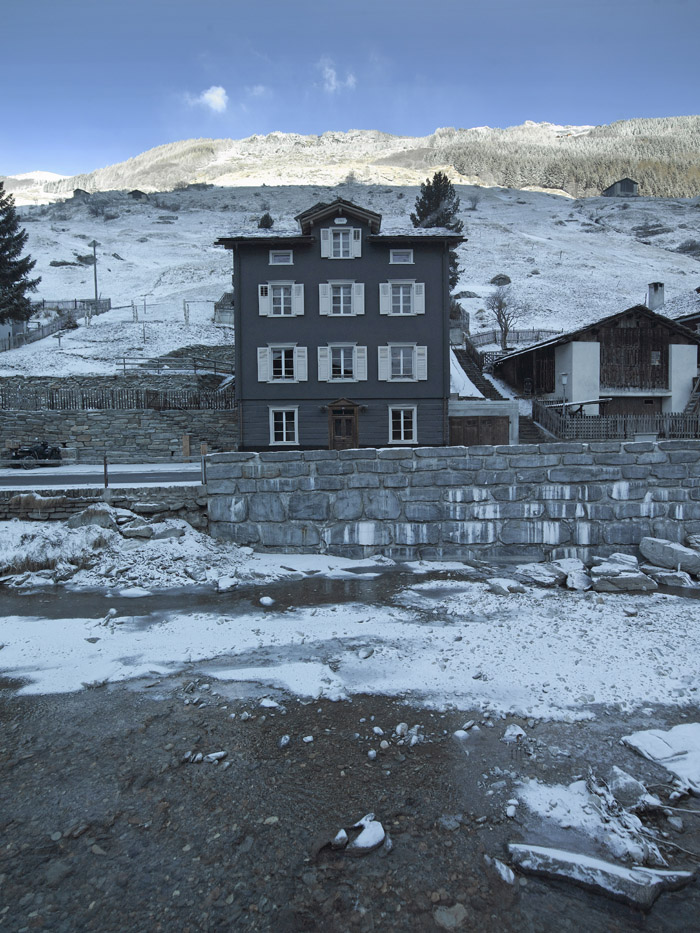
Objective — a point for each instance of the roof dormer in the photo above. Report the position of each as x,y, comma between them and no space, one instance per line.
338,209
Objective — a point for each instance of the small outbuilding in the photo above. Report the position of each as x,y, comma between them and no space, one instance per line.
138,195
624,188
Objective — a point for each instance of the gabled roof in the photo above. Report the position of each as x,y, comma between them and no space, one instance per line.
602,322
338,208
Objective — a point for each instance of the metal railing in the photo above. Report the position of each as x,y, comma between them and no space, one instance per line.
514,336
558,419
188,364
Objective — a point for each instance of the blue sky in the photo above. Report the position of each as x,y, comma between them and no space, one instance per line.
88,83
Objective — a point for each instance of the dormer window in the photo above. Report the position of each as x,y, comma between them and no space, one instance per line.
344,243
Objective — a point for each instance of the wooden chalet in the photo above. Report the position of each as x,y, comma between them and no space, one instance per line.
638,361
624,188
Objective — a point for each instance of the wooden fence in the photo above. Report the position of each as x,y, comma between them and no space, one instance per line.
114,399
514,336
172,364
68,312
73,304
37,333
612,427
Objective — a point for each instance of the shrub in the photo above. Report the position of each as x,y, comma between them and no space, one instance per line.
265,222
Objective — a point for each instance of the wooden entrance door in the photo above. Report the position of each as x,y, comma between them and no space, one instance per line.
342,425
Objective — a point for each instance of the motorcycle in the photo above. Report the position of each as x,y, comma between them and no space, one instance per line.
38,454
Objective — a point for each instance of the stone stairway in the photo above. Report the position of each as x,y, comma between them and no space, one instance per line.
693,405
471,368
531,433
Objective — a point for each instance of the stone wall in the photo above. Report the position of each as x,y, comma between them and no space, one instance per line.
124,436
525,502
188,502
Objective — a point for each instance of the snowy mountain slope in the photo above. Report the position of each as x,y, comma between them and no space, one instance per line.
570,261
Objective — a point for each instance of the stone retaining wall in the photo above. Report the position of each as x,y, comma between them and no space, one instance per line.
125,436
188,502
525,502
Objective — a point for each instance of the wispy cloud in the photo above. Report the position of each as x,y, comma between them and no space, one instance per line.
258,90
332,84
215,98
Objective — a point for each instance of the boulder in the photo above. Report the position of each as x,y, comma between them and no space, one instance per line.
101,515
619,573
578,580
544,574
670,554
634,885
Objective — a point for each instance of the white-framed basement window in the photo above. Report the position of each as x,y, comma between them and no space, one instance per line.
403,424
281,257
341,298
345,243
284,426
280,299
401,297
282,363
343,362
401,257
402,362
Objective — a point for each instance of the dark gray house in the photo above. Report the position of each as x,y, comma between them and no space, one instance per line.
342,333
624,188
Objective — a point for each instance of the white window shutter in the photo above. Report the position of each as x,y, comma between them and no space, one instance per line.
384,298
324,369
264,300
301,368
358,298
361,364
297,299
383,364
263,364
419,298
356,242
325,243
324,298
421,363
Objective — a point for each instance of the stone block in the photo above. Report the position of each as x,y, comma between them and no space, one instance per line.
624,490
684,511
604,447
669,470
428,494
523,531
308,506
366,453
363,481
366,534
638,447
315,455
415,534
577,459
654,456
288,535
563,447
243,534
334,468
382,504
671,530
328,483
393,453
396,481
223,471
468,533
495,478
534,460
450,478
514,450
685,444
430,463
228,509
423,511
533,475
683,456
636,471
266,507
279,456
347,505
476,450
512,493
628,533
591,474
559,509
615,459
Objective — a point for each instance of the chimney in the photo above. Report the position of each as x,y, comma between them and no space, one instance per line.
655,295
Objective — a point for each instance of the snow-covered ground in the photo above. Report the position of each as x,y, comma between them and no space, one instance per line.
546,653
569,261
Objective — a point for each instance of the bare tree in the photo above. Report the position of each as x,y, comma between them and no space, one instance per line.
506,311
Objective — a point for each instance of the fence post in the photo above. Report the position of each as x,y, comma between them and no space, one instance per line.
204,466
105,469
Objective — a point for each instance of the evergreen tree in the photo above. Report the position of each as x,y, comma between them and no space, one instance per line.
437,206
14,268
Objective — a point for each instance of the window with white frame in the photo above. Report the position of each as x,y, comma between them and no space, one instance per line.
280,299
284,426
401,297
341,298
343,362
401,257
345,243
281,257
282,363
402,425
402,362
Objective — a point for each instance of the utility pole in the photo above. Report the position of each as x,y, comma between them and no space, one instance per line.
94,269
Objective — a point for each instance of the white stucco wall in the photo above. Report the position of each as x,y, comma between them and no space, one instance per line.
581,360
682,371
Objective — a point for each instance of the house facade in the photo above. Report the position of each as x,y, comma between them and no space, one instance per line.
342,333
638,361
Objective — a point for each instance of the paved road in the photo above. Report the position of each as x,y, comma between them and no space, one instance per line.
93,475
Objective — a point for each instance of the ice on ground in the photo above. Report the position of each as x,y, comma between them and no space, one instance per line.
677,750
637,886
